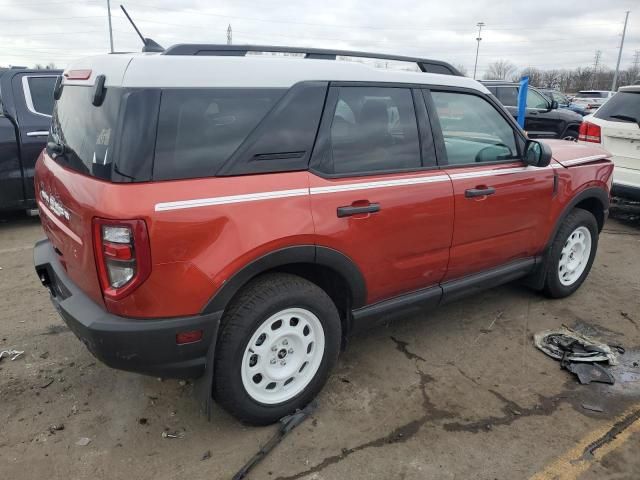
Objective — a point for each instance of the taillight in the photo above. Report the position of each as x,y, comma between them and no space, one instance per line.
589,132
123,255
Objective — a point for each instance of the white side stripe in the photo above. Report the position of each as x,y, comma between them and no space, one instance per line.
379,184
249,197
577,161
349,187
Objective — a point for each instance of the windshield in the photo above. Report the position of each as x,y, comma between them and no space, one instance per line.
85,131
622,107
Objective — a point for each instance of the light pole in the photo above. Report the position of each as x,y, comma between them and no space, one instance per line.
479,38
615,75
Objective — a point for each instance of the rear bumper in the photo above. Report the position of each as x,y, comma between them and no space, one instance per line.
626,181
145,346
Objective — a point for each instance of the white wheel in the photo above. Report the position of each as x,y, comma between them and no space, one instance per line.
282,356
574,256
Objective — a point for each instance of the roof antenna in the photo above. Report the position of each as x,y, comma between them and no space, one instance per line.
149,44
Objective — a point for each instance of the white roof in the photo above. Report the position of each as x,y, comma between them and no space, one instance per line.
161,71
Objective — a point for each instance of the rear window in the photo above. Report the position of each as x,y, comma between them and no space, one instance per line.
622,107
198,130
40,94
86,132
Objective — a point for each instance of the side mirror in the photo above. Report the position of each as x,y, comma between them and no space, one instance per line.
553,105
537,154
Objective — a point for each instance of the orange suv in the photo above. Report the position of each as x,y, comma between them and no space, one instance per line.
235,217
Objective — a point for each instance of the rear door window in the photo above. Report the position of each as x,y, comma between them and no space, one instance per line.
508,96
373,129
199,129
473,130
39,94
622,107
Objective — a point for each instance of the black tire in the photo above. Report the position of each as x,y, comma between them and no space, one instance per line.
571,134
553,287
261,298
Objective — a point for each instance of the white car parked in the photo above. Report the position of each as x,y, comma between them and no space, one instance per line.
616,126
591,100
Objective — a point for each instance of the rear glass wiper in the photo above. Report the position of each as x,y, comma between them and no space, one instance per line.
627,118
55,148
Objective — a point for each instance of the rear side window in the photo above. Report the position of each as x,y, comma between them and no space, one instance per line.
591,95
199,129
622,107
40,94
474,131
373,129
508,96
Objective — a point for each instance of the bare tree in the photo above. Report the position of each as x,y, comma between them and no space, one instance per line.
499,70
462,69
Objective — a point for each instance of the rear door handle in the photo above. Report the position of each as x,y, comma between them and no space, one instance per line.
355,210
479,192
38,133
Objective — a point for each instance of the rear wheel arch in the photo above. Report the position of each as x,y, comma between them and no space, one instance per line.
330,269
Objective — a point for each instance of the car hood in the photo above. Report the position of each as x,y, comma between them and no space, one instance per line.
568,153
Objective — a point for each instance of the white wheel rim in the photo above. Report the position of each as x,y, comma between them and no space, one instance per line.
574,256
282,356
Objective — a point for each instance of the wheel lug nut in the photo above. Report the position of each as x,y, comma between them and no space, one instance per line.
285,342
274,348
282,362
273,361
290,350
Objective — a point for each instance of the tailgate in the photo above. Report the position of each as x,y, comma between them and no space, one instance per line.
622,139
65,199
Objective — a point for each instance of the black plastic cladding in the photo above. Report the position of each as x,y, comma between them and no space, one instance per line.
425,64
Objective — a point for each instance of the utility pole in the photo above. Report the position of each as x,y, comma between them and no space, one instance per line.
615,75
110,29
229,35
478,39
596,62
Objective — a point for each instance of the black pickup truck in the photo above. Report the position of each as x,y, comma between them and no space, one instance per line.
26,103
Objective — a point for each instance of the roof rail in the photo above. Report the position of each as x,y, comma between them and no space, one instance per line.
425,65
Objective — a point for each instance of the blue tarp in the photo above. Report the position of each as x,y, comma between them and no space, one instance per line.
522,100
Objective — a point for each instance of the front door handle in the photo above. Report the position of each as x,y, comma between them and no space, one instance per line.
479,192
38,133
356,209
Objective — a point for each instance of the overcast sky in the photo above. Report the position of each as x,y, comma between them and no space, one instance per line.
541,33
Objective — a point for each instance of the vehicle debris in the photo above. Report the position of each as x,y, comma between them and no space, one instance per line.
589,372
569,346
56,427
593,408
579,354
174,434
11,353
83,442
287,424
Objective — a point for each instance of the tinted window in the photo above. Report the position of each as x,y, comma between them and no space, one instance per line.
41,89
508,96
560,98
592,95
198,129
624,105
87,132
536,100
373,129
474,131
